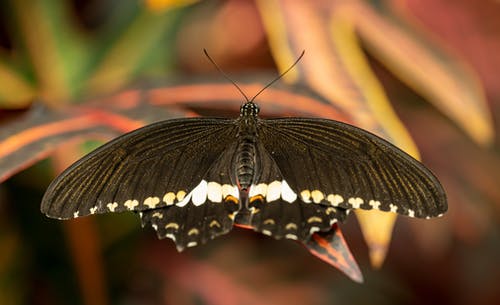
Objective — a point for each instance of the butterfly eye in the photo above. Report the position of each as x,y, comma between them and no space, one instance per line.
249,109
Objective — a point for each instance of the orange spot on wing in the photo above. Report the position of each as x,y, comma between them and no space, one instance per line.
231,199
257,197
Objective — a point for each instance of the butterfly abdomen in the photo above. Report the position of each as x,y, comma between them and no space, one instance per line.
245,161
245,153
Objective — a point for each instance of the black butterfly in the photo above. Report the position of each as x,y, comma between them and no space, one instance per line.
192,179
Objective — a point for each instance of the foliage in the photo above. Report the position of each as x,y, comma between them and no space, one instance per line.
74,71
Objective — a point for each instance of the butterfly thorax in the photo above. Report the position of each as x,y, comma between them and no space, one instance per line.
245,152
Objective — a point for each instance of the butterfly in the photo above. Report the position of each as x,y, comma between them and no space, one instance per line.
193,179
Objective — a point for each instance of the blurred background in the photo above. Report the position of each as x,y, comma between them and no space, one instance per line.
423,74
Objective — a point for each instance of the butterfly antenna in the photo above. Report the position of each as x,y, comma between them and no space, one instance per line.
225,75
280,76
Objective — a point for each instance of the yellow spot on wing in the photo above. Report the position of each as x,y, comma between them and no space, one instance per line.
314,219
158,215
306,196
181,195
193,231
214,223
172,225
317,196
231,199
330,210
335,200
169,198
151,202
269,221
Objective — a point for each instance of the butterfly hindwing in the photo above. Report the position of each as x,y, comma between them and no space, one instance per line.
208,213
153,167
334,163
278,211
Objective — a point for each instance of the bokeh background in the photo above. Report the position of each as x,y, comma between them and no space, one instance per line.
423,74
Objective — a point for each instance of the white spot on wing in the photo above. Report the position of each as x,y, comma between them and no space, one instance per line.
313,230
259,189
374,204
273,191
411,213
355,202
394,208
131,204
291,236
112,206
230,190
267,232
214,192
185,199
75,214
287,193
191,244
151,202
199,193
93,210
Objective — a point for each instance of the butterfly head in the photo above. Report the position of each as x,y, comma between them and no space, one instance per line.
249,109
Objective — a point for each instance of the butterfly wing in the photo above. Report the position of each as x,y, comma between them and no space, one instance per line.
210,212
335,164
276,210
176,171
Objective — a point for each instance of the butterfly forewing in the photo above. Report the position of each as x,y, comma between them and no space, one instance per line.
337,164
152,167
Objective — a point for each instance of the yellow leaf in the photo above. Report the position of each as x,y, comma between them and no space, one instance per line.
429,68
162,5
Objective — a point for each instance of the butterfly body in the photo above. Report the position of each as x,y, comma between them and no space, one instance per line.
193,179
247,138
